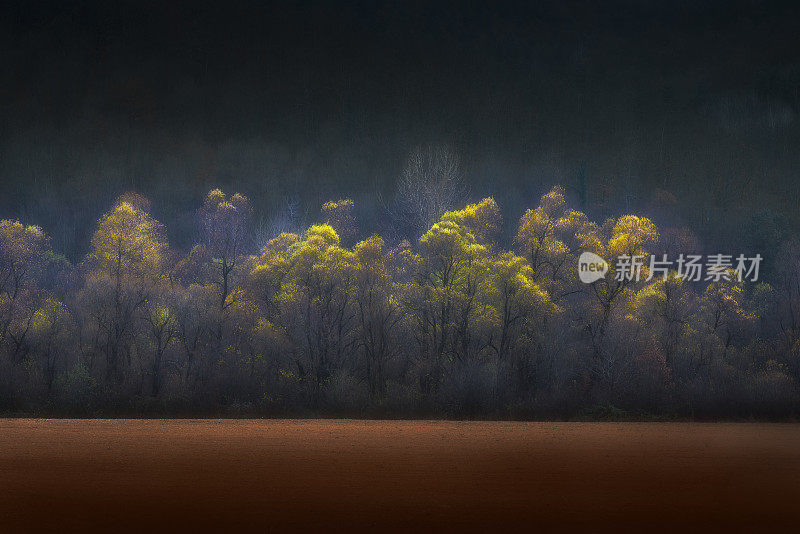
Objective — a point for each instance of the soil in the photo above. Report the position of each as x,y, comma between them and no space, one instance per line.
346,475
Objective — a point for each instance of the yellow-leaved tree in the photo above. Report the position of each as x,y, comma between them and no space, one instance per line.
128,242
723,309
378,308
617,242
550,237
456,254
310,287
128,266
224,224
340,215
473,301
24,253
50,332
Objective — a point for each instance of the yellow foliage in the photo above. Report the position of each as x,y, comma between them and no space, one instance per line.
21,245
340,215
723,305
51,315
631,236
333,206
128,242
322,235
511,279
214,198
482,219
161,316
549,234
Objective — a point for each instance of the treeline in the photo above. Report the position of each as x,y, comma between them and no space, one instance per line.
323,322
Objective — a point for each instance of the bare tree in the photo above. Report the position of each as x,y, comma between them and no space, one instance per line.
286,218
432,182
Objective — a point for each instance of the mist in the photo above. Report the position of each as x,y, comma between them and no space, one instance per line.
625,104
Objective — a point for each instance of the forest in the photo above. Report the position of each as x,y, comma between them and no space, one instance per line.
440,316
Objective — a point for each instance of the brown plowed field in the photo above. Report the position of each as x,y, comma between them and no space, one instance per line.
344,475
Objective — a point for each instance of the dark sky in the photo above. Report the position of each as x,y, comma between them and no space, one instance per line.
234,69
318,99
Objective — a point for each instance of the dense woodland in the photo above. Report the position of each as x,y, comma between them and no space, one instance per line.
440,316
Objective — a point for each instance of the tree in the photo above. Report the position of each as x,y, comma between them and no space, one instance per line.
24,256
723,308
550,237
453,322
339,214
24,251
629,236
454,260
521,302
128,242
52,327
196,319
663,308
523,309
127,263
311,283
163,330
378,308
224,224
431,183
